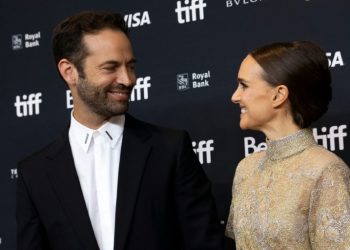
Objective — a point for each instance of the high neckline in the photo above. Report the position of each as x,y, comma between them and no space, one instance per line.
289,145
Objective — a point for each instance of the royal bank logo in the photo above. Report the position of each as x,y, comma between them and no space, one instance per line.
13,173
232,3
335,59
190,10
137,19
203,149
183,82
27,40
28,105
186,81
17,42
331,138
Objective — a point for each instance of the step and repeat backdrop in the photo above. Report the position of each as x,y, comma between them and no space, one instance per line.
188,54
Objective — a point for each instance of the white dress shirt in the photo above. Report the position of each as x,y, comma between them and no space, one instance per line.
96,155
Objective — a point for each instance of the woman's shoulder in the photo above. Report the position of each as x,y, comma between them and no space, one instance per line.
253,158
322,158
249,163
319,154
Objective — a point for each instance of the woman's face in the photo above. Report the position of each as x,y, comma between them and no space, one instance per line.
254,96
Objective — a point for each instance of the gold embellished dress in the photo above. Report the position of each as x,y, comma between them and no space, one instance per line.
294,195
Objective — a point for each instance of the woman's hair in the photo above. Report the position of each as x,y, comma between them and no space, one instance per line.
303,67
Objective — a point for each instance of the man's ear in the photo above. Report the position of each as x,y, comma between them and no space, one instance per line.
280,95
68,72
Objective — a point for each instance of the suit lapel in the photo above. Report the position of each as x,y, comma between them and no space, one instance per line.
134,153
65,182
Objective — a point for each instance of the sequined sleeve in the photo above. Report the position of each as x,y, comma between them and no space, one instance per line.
229,225
329,217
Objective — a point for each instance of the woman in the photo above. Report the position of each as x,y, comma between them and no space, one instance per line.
294,195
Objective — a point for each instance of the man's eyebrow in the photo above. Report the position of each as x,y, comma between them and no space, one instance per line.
111,62
116,63
133,60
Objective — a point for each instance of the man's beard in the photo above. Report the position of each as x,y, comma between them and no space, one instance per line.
97,98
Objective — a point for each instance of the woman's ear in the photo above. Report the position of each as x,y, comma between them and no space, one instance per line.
68,72
280,96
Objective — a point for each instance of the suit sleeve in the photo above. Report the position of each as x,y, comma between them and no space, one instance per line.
30,231
195,204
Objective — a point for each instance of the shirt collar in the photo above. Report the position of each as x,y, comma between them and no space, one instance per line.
112,130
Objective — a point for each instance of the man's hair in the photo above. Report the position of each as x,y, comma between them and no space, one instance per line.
303,67
67,38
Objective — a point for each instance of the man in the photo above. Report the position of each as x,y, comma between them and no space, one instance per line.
111,181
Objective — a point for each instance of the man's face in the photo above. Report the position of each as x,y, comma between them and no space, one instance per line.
109,74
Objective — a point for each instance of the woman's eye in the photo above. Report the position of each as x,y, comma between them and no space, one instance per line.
242,85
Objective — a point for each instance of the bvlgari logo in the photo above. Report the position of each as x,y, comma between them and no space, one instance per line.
231,3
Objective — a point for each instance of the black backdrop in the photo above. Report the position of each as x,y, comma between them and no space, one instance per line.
188,54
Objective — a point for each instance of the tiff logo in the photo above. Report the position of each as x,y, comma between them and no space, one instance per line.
14,174
188,12
141,89
29,105
203,148
335,133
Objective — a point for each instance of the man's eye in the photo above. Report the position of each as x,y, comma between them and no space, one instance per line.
110,69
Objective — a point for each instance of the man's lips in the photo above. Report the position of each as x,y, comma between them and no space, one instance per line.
120,95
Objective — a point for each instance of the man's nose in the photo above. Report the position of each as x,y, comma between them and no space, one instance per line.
126,77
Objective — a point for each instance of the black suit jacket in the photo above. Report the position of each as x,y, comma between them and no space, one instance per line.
164,199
